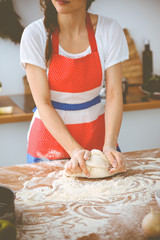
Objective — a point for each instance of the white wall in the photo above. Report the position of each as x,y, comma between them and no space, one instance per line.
140,129
13,143
141,17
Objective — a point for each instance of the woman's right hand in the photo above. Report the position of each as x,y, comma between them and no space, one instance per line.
77,162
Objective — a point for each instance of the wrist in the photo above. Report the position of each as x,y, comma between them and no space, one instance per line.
109,147
110,143
74,150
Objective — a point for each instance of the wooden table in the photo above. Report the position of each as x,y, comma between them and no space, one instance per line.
113,217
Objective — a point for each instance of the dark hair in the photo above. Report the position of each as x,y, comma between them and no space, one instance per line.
51,23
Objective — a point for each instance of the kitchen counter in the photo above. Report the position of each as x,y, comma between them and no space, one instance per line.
136,100
23,105
117,215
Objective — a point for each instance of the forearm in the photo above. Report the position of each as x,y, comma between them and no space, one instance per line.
114,106
57,128
113,119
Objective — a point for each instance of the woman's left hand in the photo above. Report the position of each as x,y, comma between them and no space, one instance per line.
116,159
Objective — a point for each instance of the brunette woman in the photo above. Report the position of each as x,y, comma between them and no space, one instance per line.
67,55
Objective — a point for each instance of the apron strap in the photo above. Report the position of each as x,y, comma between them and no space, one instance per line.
55,41
91,36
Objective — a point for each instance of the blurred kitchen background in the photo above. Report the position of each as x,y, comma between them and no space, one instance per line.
140,128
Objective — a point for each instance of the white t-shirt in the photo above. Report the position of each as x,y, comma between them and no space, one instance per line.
110,38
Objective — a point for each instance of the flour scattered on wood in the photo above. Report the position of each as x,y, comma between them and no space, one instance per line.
53,207
135,189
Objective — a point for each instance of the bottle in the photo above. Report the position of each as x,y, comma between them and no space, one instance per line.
147,62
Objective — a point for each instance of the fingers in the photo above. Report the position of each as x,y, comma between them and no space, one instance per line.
77,163
87,155
121,165
68,168
81,157
83,167
112,159
76,167
72,167
117,161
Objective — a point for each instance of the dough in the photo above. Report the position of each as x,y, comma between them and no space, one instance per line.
97,165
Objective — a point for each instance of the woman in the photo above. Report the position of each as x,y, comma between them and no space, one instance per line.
67,55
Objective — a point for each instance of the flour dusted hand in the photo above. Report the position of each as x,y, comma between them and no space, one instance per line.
98,166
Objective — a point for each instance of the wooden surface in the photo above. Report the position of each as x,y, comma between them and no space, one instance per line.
117,217
22,108
132,68
136,100
23,105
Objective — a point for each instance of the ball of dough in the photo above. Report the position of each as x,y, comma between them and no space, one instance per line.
97,165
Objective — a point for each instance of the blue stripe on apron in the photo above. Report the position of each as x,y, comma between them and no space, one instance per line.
31,159
74,107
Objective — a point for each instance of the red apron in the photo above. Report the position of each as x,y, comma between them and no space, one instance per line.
75,86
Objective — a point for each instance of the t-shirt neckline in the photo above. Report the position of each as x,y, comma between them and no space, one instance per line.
81,53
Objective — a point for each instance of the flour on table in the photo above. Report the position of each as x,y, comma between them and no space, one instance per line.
70,208
121,188
97,165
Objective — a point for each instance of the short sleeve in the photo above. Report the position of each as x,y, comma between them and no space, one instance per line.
117,50
32,45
